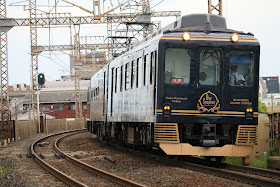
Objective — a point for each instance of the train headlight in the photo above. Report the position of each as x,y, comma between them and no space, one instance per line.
234,37
186,36
166,110
249,113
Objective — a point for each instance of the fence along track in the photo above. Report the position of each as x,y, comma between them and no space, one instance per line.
67,179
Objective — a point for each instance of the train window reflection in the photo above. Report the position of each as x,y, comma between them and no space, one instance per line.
177,66
209,67
241,71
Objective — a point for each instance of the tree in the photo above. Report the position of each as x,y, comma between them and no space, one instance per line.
262,108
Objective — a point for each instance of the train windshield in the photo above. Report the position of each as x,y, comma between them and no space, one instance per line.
241,68
177,66
209,71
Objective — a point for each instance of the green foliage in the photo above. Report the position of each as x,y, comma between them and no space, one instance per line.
234,160
259,162
274,151
2,170
262,108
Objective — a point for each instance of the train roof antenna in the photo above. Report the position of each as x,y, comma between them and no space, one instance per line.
208,27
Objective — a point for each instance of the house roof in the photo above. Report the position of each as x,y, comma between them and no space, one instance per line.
56,97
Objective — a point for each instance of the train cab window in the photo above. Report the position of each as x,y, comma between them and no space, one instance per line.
241,72
177,66
209,69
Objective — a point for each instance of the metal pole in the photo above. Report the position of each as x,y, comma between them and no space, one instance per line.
38,108
15,110
221,8
271,103
5,114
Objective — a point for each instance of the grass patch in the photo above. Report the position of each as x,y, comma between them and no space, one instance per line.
234,160
259,162
2,170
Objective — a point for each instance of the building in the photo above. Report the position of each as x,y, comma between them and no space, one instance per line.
59,104
269,91
272,84
88,65
268,101
262,89
57,99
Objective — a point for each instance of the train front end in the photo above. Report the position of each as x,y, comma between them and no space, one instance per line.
207,89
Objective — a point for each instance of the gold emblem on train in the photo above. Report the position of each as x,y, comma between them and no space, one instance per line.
208,102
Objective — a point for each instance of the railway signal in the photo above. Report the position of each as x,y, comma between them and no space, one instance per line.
41,79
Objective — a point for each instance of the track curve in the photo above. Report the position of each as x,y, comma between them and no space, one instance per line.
66,178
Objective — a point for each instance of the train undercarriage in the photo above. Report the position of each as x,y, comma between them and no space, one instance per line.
207,140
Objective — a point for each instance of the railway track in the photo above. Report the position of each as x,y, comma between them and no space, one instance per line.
248,175
39,158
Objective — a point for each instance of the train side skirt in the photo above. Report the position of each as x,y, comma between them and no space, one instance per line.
187,149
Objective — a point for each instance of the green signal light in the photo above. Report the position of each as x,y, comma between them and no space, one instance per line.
41,79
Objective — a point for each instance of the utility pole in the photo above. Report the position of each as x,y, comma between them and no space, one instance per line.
272,103
5,25
215,6
77,62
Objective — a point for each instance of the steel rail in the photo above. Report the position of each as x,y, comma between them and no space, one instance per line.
228,174
89,168
260,180
255,171
58,174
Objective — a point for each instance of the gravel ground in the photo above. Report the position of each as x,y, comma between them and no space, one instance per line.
141,170
22,171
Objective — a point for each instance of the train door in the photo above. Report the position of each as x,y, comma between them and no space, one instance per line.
210,83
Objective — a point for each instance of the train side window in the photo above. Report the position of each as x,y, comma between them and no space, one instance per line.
121,82
132,73
209,67
112,80
144,69
116,80
241,72
151,67
126,84
177,66
137,71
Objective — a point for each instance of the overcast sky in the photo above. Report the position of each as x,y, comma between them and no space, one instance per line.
257,16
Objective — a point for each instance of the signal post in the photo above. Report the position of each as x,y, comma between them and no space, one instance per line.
41,81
